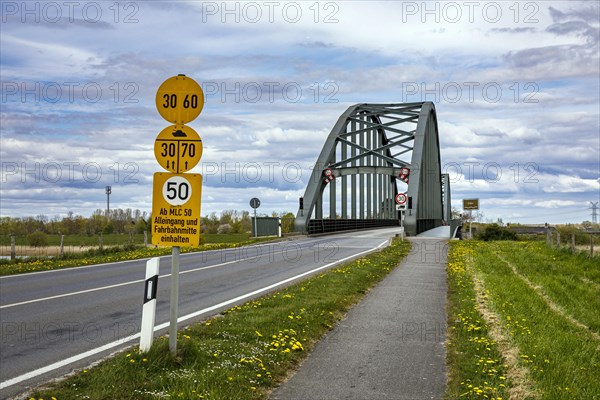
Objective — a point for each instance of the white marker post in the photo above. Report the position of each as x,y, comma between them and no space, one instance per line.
149,309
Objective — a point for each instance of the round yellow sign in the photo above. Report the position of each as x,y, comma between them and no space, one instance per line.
178,148
179,99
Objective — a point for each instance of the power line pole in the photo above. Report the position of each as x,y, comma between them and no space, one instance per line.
594,209
108,191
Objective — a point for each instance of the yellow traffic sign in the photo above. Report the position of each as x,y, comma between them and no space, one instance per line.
179,99
178,148
176,209
470,204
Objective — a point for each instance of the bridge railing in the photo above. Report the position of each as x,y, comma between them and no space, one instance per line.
316,226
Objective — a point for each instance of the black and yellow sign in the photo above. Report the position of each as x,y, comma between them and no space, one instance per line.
178,148
179,99
470,204
176,209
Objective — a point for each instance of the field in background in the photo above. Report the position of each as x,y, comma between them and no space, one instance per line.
523,322
82,243
89,255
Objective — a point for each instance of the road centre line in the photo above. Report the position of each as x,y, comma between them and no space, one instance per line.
132,282
108,346
133,260
58,296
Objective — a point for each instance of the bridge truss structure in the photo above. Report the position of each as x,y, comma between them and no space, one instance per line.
373,153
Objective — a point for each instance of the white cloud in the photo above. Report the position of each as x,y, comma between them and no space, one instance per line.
541,132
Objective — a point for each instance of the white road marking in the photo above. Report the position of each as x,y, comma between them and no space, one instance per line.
141,280
129,261
118,284
69,294
108,346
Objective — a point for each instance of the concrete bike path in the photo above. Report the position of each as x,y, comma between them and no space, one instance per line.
391,345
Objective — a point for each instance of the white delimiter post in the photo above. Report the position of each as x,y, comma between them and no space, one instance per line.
149,308
174,300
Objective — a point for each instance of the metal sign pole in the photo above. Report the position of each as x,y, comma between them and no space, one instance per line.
255,224
255,203
174,300
401,225
470,223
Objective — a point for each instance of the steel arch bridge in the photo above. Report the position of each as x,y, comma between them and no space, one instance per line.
373,153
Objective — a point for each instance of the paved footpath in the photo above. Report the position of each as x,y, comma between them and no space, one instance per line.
391,345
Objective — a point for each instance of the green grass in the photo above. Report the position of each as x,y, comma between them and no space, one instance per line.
565,277
119,253
475,365
242,354
114,239
537,306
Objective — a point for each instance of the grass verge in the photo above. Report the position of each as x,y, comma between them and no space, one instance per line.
114,239
475,365
544,300
243,353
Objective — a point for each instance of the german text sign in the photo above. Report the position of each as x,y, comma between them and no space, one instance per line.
178,148
176,209
179,99
470,204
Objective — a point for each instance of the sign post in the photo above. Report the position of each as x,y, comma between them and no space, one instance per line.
401,200
255,203
174,301
176,196
470,204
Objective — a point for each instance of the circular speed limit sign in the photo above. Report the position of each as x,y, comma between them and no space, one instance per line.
177,190
179,99
401,198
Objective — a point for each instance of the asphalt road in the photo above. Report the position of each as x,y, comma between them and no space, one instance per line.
54,322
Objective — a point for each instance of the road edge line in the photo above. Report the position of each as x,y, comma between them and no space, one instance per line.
122,341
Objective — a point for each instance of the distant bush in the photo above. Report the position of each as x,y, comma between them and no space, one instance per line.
108,228
223,228
37,239
496,232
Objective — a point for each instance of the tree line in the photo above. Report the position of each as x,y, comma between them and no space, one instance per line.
125,221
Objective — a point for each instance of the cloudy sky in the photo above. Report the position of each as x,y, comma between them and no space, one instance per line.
516,87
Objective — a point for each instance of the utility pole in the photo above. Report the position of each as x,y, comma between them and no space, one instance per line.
108,191
594,209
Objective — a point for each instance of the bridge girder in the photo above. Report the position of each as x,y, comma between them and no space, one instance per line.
369,146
